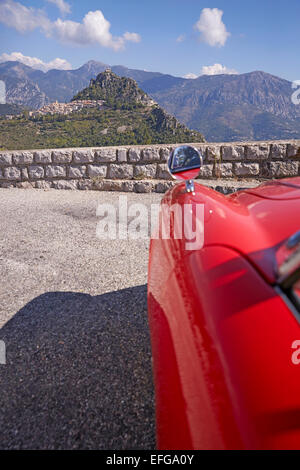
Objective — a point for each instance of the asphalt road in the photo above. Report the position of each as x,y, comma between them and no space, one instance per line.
73,316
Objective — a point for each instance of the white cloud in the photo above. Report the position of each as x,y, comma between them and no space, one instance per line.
63,6
217,69
133,37
190,75
34,62
180,38
210,25
23,19
94,28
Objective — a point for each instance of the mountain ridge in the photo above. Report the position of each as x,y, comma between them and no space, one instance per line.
251,106
115,112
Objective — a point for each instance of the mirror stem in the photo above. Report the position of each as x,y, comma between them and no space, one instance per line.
189,186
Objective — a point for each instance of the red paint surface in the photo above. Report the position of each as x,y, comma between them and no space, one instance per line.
187,174
221,335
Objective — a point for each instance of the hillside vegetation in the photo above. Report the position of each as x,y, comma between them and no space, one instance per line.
249,106
128,117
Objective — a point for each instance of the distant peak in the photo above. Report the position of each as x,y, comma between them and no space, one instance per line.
108,74
108,86
93,64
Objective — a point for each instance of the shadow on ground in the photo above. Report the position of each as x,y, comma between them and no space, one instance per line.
78,373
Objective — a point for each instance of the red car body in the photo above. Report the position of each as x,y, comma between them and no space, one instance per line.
221,329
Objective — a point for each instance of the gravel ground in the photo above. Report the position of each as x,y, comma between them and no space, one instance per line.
73,316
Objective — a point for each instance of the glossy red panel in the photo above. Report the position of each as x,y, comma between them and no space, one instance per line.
221,334
248,223
284,189
187,175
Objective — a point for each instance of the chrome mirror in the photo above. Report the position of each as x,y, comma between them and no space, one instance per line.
184,164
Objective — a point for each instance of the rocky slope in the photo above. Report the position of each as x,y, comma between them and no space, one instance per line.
110,87
127,117
21,85
249,106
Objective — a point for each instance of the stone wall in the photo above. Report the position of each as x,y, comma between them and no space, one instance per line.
143,168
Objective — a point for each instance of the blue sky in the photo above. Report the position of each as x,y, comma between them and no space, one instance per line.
180,37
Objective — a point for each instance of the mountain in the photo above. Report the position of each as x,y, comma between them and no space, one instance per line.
117,91
62,85
11,109
127,116
21,85
251,106
45,87
151,82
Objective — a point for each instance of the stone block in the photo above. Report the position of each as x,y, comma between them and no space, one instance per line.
42,156
213,153
12,173
282,169
55,171
151,154
97,170
22,158
278,150
134,155
144,171
63,184
5,158
233,152
224,170
293,150
121,171
206,171
77,171
106,155
257,152
246,169
36,172
83,156
163,172
122,155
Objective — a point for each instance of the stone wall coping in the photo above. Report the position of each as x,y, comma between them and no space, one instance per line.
101,167
195,144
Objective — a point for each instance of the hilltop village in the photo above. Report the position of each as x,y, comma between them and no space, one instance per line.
67,108
61,108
